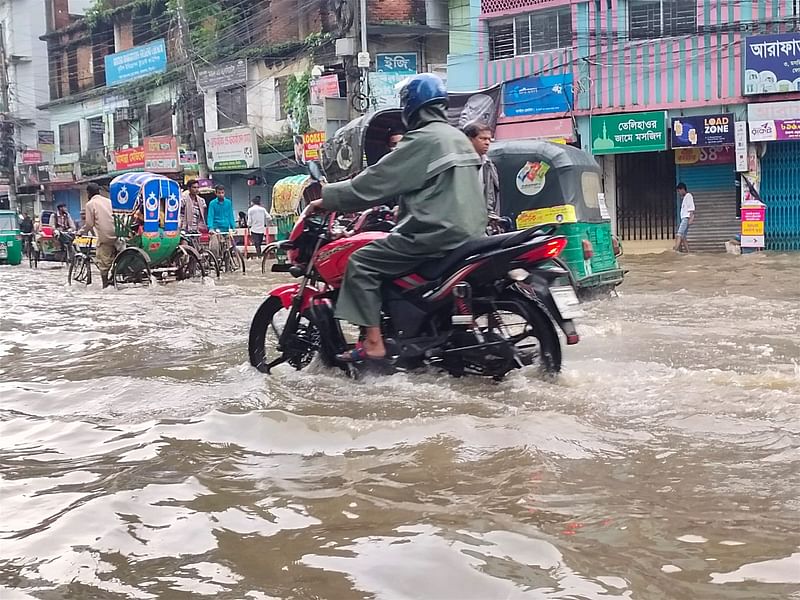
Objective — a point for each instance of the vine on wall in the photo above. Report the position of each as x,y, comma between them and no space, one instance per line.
298,97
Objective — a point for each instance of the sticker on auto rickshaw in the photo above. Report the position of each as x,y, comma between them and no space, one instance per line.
530,179
553,215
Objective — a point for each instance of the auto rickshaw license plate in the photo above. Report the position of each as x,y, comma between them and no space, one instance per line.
566,301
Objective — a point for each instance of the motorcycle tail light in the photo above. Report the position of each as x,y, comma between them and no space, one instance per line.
588,250
549,249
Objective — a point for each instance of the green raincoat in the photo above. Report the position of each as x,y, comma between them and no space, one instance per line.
434,171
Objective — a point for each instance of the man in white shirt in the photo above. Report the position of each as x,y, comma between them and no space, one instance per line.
687,218
258,219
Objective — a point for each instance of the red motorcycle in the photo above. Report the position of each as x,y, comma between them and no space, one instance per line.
485,309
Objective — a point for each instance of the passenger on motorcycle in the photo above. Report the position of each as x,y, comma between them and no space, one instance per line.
433,171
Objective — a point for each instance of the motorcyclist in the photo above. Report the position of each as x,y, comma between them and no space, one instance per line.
433,171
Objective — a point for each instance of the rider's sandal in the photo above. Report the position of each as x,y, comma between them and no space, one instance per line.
359,355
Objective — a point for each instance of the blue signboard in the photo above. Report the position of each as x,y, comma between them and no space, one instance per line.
404,63
137,62
772,64
699,132
537,95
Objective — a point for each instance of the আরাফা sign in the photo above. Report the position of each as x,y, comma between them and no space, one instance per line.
632,132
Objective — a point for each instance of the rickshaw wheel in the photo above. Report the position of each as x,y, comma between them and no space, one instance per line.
131,266
187,263
80,269
210,263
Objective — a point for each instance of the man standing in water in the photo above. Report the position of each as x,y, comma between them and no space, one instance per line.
258,219
687,218
100,219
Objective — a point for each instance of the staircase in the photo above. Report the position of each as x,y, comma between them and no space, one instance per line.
715,221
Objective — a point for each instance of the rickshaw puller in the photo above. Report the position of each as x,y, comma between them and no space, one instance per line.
433,170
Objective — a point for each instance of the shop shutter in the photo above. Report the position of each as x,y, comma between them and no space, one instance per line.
780,191
714,191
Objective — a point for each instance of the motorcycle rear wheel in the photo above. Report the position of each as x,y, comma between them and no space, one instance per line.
265,331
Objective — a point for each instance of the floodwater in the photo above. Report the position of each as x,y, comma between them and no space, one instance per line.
141,457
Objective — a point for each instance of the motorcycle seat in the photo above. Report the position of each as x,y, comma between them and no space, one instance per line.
437,268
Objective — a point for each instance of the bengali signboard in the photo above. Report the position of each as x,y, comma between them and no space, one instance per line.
231,149
772,64
537,95
32,157
630,132
128,159
224,75
326,86
753,218
137,62
161,154
707,130
64,172
773,121
718,155
402,63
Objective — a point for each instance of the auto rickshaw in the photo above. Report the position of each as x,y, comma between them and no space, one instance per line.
10,238
146,216
544,183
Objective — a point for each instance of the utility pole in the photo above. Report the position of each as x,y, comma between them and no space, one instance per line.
194,102
8,146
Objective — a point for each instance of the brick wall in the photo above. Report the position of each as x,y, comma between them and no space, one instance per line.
396,11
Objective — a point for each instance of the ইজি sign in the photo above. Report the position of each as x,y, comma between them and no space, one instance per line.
706,130
631,132
137,62
402,63
771,64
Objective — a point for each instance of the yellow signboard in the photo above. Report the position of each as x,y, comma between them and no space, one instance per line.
752,227
554,215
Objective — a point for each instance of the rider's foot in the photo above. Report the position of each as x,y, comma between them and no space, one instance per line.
361,353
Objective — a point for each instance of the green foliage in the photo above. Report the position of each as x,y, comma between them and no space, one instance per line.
298,96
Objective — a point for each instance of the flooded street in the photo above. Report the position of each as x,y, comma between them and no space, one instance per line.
142,457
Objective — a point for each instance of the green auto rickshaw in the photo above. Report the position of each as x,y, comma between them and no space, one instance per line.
10,238
544,183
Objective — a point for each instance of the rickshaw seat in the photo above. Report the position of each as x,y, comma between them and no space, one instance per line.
436,268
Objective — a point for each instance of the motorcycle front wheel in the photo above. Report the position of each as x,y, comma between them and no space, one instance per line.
265,331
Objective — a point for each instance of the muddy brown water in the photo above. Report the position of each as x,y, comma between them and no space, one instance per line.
141,457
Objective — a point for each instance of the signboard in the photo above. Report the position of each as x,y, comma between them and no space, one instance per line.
223,75
129,159
383,90
326,86
137,62
32,175
312,142
32,157
707,130
753,217
161,154
741,146
188,159
771,131
537,95
46,139
231,149
403,63
64,172
772,64
630,132
718,155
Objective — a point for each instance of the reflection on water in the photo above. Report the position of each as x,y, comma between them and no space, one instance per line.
142,458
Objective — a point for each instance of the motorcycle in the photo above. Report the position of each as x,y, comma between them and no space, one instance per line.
487,308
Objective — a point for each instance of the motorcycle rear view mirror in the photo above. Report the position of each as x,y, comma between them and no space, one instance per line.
315,170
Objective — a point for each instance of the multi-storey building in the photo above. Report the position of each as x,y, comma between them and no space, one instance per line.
673,59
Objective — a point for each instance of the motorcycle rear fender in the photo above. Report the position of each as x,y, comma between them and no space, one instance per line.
537,289
286,293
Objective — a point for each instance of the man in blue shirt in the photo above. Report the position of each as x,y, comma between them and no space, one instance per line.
220,212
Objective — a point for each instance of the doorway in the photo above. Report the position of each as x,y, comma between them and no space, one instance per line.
646,201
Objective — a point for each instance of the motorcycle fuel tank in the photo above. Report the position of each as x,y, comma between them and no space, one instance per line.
333,257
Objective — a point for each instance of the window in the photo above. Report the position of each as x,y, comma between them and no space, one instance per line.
536,32
159,119
231,107
96,130
652,19
69,138
122,134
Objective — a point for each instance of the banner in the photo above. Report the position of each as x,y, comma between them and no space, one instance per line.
771,64
231,149
537,95
326,86
161,154
312,142
137,62
468,107
709,130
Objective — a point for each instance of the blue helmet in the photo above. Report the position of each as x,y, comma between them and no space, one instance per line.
418,91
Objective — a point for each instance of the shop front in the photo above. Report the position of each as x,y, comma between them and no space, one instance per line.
705,161
634,151
777,126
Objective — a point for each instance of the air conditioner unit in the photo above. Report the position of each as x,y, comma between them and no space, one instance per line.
126,113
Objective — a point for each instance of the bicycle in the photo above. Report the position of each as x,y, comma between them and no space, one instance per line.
208,261
80,267
231,258
29,249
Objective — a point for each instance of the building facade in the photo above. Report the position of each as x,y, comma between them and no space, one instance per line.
653,62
